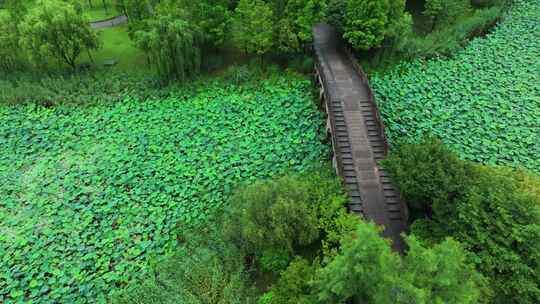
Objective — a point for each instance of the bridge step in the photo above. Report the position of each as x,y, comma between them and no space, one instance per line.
358,138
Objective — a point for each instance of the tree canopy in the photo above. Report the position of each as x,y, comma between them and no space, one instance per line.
171,42
493,211
54,29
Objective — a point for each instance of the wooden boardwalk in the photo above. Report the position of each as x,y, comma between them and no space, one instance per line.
358,138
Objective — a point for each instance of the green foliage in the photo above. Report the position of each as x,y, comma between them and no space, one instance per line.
275,214
294,284
428,173
495,215
279,26
335,12
136,10
252,26
367,271
201,271
490,3
275,220
483,102
54,29
212,17
171,42
446,40
82,88
294,23
443,13
90,194
10,55
366,23
440,274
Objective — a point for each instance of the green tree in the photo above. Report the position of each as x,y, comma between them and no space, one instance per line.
212,17
368,271
442,13
274,220
494,212
253,27
171,42
10,55
428,176
294,284
366,23
55,29
135,10
294,21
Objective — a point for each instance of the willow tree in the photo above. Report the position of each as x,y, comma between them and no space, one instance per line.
10,56
172,44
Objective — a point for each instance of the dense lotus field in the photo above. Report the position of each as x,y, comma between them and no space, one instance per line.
484,102
89,195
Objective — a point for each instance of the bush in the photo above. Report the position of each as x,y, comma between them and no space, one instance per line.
428,174
274,220
80,89
294,284
446,39
202,271
490,3
443,13
493,211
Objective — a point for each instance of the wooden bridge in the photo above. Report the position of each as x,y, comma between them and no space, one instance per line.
357,133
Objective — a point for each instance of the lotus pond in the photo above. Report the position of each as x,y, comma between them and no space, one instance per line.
484,102
89,195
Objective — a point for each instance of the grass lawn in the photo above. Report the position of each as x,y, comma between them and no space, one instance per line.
116,45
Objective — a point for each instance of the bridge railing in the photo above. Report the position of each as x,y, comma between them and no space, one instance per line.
323,82
371,97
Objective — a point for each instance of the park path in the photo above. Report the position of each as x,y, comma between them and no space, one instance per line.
111,22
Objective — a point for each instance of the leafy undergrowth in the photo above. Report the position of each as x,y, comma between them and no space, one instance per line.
91,194
484,102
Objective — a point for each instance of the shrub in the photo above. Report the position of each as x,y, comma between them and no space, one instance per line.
273,215
428,173
274,220
494,212
490,3
294,284
202,271
443,13
446,40
82,88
